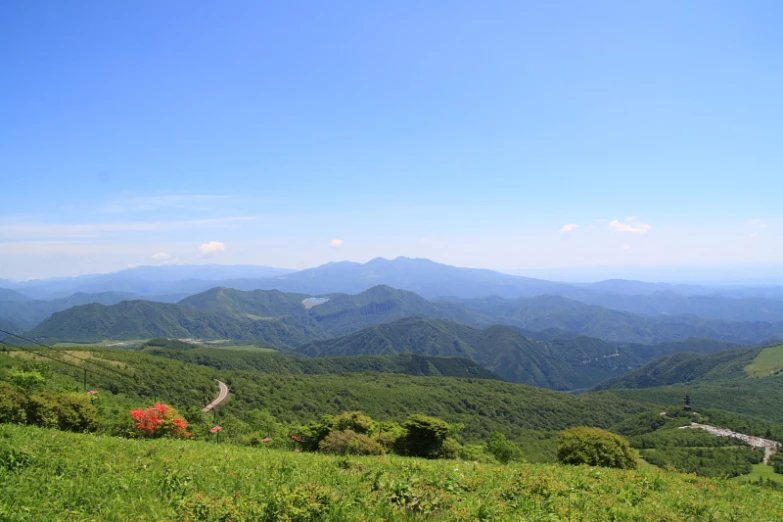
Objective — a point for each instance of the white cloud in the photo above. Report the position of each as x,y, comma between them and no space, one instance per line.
567,229
336,243
210,249
626,247
633,226
161,256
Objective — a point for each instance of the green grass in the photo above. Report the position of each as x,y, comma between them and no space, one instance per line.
56,476
760,471
768,362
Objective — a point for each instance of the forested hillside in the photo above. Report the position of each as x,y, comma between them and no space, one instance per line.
563,363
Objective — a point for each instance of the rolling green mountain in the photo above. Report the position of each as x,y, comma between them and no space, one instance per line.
730,367
547,312
338,315
145,319
30,312
564,363
251,304
269,316
742,381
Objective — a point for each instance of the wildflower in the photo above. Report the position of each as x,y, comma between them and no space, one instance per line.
92,392
267,439
216,429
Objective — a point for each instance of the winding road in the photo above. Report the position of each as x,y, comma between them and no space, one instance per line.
222,396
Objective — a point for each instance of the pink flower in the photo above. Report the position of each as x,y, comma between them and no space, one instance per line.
216,429
92,392
267,439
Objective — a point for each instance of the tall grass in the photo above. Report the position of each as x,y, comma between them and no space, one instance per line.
52,475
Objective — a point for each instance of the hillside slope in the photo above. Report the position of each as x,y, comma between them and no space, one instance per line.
561,363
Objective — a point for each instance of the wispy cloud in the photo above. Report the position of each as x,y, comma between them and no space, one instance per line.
631,225
131,202
336,243
210,249
160,256
567,229
28,230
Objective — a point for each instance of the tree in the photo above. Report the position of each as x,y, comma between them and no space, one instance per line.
595,447
424,436
501,448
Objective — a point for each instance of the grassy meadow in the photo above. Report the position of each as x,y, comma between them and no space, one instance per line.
58,476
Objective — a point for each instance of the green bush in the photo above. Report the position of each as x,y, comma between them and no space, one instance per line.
353,421
12,404
595,447
501,448
424,436
451,449
777,462
349,442
69,412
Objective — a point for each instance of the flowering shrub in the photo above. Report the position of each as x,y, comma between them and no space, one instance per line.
161,420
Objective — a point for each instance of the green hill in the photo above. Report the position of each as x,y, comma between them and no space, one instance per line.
252,304
726,380
58,476
563,363
145,319
482,405
283,363
269,316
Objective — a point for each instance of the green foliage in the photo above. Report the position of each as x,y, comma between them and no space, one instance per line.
528,416
29,381
424,436
595,447
354,421
84,477
71,412
348,442
501,448
777,462
724,462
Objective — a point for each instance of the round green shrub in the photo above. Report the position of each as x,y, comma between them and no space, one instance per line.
349,442
595,447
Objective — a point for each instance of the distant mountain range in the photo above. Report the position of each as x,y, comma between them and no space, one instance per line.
386,321
424,277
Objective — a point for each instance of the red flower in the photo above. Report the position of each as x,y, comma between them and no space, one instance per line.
216,429
159,420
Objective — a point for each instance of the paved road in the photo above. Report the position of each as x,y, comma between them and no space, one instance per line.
770,446
222,396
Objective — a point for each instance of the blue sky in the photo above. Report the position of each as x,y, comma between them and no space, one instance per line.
520,136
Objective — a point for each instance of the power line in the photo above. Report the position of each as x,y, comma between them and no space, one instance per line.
80,368
132,378
68,354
